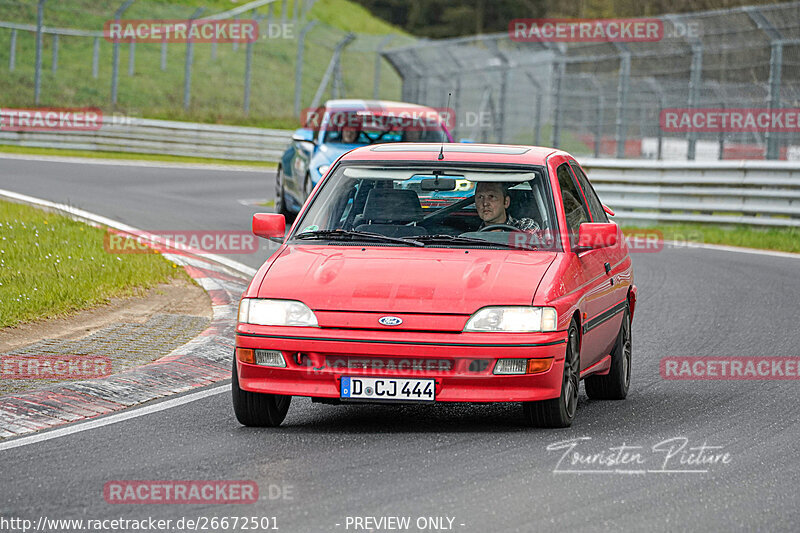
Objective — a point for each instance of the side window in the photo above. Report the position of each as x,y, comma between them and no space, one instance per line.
574,208
595,207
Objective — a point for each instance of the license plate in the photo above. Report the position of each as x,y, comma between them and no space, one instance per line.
417,390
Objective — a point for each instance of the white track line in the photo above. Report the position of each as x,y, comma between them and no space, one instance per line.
236,266
111,419
723,248
137,163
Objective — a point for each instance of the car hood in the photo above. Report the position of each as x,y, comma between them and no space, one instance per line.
404,280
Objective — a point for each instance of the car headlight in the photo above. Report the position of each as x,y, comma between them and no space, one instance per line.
513,319
323,169
264,312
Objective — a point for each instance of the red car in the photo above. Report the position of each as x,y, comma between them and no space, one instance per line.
512,291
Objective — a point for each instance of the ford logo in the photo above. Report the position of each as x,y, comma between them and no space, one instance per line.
390,320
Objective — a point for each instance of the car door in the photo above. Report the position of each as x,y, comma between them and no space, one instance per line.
616,265
589,273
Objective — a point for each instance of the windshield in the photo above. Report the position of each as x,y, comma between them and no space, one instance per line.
376,129
433,205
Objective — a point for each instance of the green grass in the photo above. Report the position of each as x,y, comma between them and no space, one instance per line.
125,155
783,240
51,265
217,90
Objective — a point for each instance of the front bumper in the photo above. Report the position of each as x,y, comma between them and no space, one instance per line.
317,358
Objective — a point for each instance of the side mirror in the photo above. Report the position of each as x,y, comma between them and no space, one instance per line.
269,225
303,135
592,236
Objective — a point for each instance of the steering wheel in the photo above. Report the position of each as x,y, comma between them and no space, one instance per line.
500,226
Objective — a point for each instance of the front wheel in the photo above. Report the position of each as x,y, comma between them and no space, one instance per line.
559,412
256,409
615,384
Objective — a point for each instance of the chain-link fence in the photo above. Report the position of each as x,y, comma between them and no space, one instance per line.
606,98
55,54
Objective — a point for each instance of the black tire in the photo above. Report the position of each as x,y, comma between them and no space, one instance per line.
615,384
255,409
280,195
559,412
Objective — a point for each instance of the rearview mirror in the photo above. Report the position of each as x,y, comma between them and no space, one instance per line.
303,135
438,184
592,236
269,225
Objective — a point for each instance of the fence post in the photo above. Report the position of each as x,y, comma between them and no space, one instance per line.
622,100
378,58
214,50
559,74
695,83
96,57
12,52
298,67
37,84
248,69
115,54
54,63
187,71
236,42
330,71
283,11
295,10
775,67
132,58
164,54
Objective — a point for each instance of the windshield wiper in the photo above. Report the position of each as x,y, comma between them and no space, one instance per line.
457,239
352,235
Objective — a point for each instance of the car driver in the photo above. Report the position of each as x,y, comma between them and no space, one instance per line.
492,200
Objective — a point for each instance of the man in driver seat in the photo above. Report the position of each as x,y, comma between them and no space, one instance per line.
492,201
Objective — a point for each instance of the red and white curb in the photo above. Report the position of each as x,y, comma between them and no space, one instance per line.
202,361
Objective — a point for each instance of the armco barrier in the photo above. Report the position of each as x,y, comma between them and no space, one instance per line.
147,136
757,193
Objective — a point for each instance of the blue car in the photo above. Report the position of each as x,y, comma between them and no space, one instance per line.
340,126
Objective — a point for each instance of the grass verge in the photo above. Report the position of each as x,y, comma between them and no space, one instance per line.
51,265
8,149
782,240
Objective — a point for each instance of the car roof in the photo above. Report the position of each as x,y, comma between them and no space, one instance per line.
358,104
454,152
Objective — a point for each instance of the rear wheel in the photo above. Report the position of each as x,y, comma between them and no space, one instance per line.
256,409
615,384
280,194
559,412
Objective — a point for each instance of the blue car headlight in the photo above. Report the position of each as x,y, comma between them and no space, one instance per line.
322,169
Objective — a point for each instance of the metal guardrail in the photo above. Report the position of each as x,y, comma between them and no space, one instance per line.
754,193
147,136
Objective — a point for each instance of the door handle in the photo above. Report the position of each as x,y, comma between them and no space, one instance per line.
608,268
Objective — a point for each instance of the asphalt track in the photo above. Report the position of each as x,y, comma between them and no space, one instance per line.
474,463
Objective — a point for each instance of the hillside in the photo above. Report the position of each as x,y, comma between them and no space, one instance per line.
217,91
